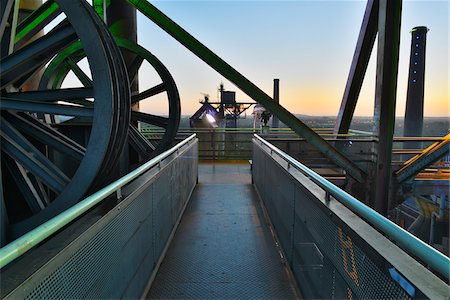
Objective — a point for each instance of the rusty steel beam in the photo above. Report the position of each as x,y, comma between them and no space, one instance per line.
247,87
364,46
430,155
385,96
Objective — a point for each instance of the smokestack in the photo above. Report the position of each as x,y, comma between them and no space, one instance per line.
416,79
276,98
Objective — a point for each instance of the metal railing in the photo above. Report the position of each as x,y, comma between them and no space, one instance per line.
21,245
235,143
407,241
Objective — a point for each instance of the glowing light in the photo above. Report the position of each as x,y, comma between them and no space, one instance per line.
210,119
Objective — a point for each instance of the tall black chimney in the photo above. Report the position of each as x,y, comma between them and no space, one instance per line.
416,79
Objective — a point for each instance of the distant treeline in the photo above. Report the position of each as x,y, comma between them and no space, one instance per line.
433,126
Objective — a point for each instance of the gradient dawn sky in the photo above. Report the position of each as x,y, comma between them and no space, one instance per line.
308,45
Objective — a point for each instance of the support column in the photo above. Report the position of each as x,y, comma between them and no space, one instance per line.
276,98
122,22
414,98
385,96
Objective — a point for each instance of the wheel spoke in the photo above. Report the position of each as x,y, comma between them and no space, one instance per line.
17,147
35,55
83,102
47,135
159,121
52,95
49,108
84,79
139,142
149,93
26,187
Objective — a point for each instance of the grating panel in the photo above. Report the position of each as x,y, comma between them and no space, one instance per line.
325,258
223,247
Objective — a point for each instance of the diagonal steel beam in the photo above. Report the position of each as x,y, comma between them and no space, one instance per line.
36,22
246,86
361,57
427,157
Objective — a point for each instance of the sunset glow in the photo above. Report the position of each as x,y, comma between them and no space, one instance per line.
308,45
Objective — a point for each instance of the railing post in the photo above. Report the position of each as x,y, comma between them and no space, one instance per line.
119,195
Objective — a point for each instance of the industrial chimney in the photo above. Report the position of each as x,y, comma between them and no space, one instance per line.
416,79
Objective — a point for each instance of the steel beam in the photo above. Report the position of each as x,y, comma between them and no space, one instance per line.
159,121
22,151
6,7
36,54
246,86
276,98
6,14
142,146
122,22
43,96
153,91
24,184
361,57
84,79
3,213
36,22
55,109
385,96
46,134
100,8
427,157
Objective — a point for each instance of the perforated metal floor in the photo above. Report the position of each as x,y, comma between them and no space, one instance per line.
223,247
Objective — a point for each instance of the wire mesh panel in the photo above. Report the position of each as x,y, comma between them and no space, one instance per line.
116,256
328,257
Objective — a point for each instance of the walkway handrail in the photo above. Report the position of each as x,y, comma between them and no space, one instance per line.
21,245
430,256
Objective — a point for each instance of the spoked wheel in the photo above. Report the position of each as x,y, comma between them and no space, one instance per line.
27,140
58,69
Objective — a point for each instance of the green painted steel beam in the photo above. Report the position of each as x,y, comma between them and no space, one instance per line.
426,158
246,86
37,20
100,8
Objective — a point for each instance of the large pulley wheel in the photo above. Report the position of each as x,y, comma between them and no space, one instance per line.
27,140
57,72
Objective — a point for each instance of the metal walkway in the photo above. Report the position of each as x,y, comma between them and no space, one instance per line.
223,247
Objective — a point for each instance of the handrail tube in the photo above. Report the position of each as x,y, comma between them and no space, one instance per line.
425,252
21,245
